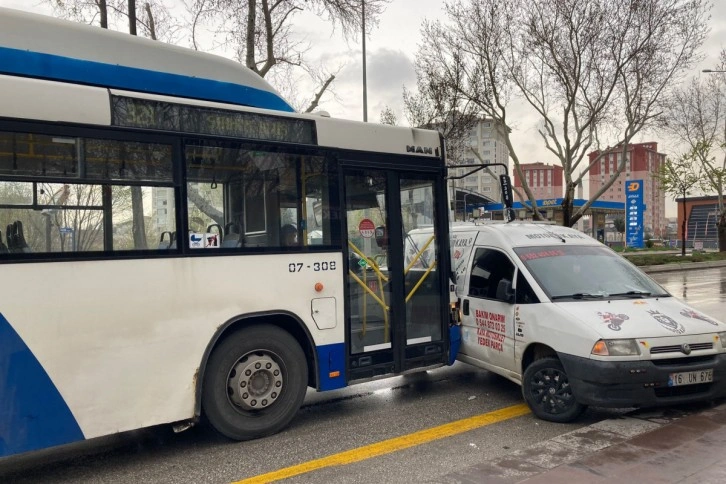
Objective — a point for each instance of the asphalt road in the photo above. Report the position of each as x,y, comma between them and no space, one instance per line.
346,420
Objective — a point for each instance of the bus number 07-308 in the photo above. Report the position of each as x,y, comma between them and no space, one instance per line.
316,266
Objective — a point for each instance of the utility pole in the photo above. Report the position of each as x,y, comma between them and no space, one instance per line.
365,89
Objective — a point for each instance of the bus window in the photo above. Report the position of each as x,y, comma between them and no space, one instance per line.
253,195
85,212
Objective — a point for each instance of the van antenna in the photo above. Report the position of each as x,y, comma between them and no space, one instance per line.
554,234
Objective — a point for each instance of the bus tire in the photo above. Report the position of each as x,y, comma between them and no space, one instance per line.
547,391
255,383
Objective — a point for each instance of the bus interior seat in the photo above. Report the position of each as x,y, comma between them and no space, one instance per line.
232,236
172,245
165,244
3,247
10,238
19,238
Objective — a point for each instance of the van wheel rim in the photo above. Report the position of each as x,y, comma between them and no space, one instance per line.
551,391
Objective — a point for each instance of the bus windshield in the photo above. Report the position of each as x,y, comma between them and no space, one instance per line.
584,272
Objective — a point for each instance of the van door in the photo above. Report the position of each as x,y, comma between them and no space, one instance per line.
488,310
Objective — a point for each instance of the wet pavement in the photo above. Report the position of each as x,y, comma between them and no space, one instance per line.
671,445
657,446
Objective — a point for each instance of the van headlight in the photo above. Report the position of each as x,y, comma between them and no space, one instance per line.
616,347
722,337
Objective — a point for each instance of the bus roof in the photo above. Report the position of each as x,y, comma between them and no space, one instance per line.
44,47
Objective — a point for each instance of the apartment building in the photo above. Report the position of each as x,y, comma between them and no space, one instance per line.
642,162
545,181
487,138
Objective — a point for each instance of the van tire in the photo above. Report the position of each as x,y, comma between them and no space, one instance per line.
277,376
548,393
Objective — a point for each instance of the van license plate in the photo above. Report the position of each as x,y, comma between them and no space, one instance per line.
690,378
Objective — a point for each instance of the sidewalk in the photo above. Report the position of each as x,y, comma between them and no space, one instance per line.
643,447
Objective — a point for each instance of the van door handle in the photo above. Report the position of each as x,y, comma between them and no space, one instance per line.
465,307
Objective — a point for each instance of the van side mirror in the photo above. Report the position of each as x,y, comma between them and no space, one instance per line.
504,291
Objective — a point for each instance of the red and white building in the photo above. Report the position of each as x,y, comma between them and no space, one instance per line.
642,162
545,181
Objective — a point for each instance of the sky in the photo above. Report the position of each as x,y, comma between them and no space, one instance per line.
390,50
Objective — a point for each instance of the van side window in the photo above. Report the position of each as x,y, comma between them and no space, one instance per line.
525,293
491,275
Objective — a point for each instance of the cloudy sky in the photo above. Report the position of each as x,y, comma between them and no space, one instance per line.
391,47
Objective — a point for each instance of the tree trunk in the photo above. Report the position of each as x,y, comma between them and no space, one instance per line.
683,228
721,230
104,13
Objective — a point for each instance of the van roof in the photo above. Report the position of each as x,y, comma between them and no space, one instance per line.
523,234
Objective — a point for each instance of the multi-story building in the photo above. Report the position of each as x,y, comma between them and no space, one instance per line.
545,181
487,137
642,162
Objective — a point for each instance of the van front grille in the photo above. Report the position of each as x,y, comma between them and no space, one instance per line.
656,350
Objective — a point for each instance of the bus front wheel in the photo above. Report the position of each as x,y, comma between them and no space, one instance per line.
254,383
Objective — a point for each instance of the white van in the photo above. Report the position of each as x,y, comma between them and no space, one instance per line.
576,324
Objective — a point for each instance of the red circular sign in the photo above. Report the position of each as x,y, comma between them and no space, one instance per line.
367,228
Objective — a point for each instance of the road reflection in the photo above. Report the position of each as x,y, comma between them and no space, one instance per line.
703,289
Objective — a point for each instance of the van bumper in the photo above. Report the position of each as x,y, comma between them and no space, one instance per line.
642,383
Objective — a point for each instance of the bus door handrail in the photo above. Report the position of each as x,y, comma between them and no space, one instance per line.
418,255
379,300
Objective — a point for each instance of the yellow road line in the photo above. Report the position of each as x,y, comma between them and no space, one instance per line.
393,445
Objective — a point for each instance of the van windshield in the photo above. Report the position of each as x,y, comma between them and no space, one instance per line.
577,272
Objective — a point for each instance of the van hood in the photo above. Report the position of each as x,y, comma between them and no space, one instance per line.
641,318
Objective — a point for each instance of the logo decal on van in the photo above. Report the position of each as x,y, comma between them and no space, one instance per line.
690,313
667,322
614,321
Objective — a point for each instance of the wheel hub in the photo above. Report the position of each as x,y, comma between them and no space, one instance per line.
255,381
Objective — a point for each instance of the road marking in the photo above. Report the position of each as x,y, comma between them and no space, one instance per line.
393,445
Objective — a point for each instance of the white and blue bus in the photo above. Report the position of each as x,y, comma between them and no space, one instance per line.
177,243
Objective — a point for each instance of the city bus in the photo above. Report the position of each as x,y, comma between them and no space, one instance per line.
177,244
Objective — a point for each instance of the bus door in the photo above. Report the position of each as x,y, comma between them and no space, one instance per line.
396,295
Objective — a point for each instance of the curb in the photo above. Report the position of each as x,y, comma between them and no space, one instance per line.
683,266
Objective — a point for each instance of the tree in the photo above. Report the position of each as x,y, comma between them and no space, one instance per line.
388,116
260,33
593,72
696,117
678,177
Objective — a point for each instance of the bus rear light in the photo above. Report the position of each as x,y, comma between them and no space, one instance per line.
319,287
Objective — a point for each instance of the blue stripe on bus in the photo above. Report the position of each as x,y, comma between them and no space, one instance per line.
331,358
49,66
33,414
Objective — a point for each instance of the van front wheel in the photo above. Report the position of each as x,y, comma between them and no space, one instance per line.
547,391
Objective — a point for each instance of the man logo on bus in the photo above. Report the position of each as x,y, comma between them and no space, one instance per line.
633,186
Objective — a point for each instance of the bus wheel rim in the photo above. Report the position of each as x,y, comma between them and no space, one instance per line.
255,381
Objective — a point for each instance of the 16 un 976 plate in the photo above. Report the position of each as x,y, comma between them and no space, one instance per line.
690,377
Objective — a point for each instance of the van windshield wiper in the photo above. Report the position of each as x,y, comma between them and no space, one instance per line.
578,295
631,294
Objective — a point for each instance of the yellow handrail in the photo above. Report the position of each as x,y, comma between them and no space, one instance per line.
418,255
420,281
363,283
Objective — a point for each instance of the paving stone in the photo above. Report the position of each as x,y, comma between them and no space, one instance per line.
626,427
614,459
665,438
546,454
566,473
589,439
